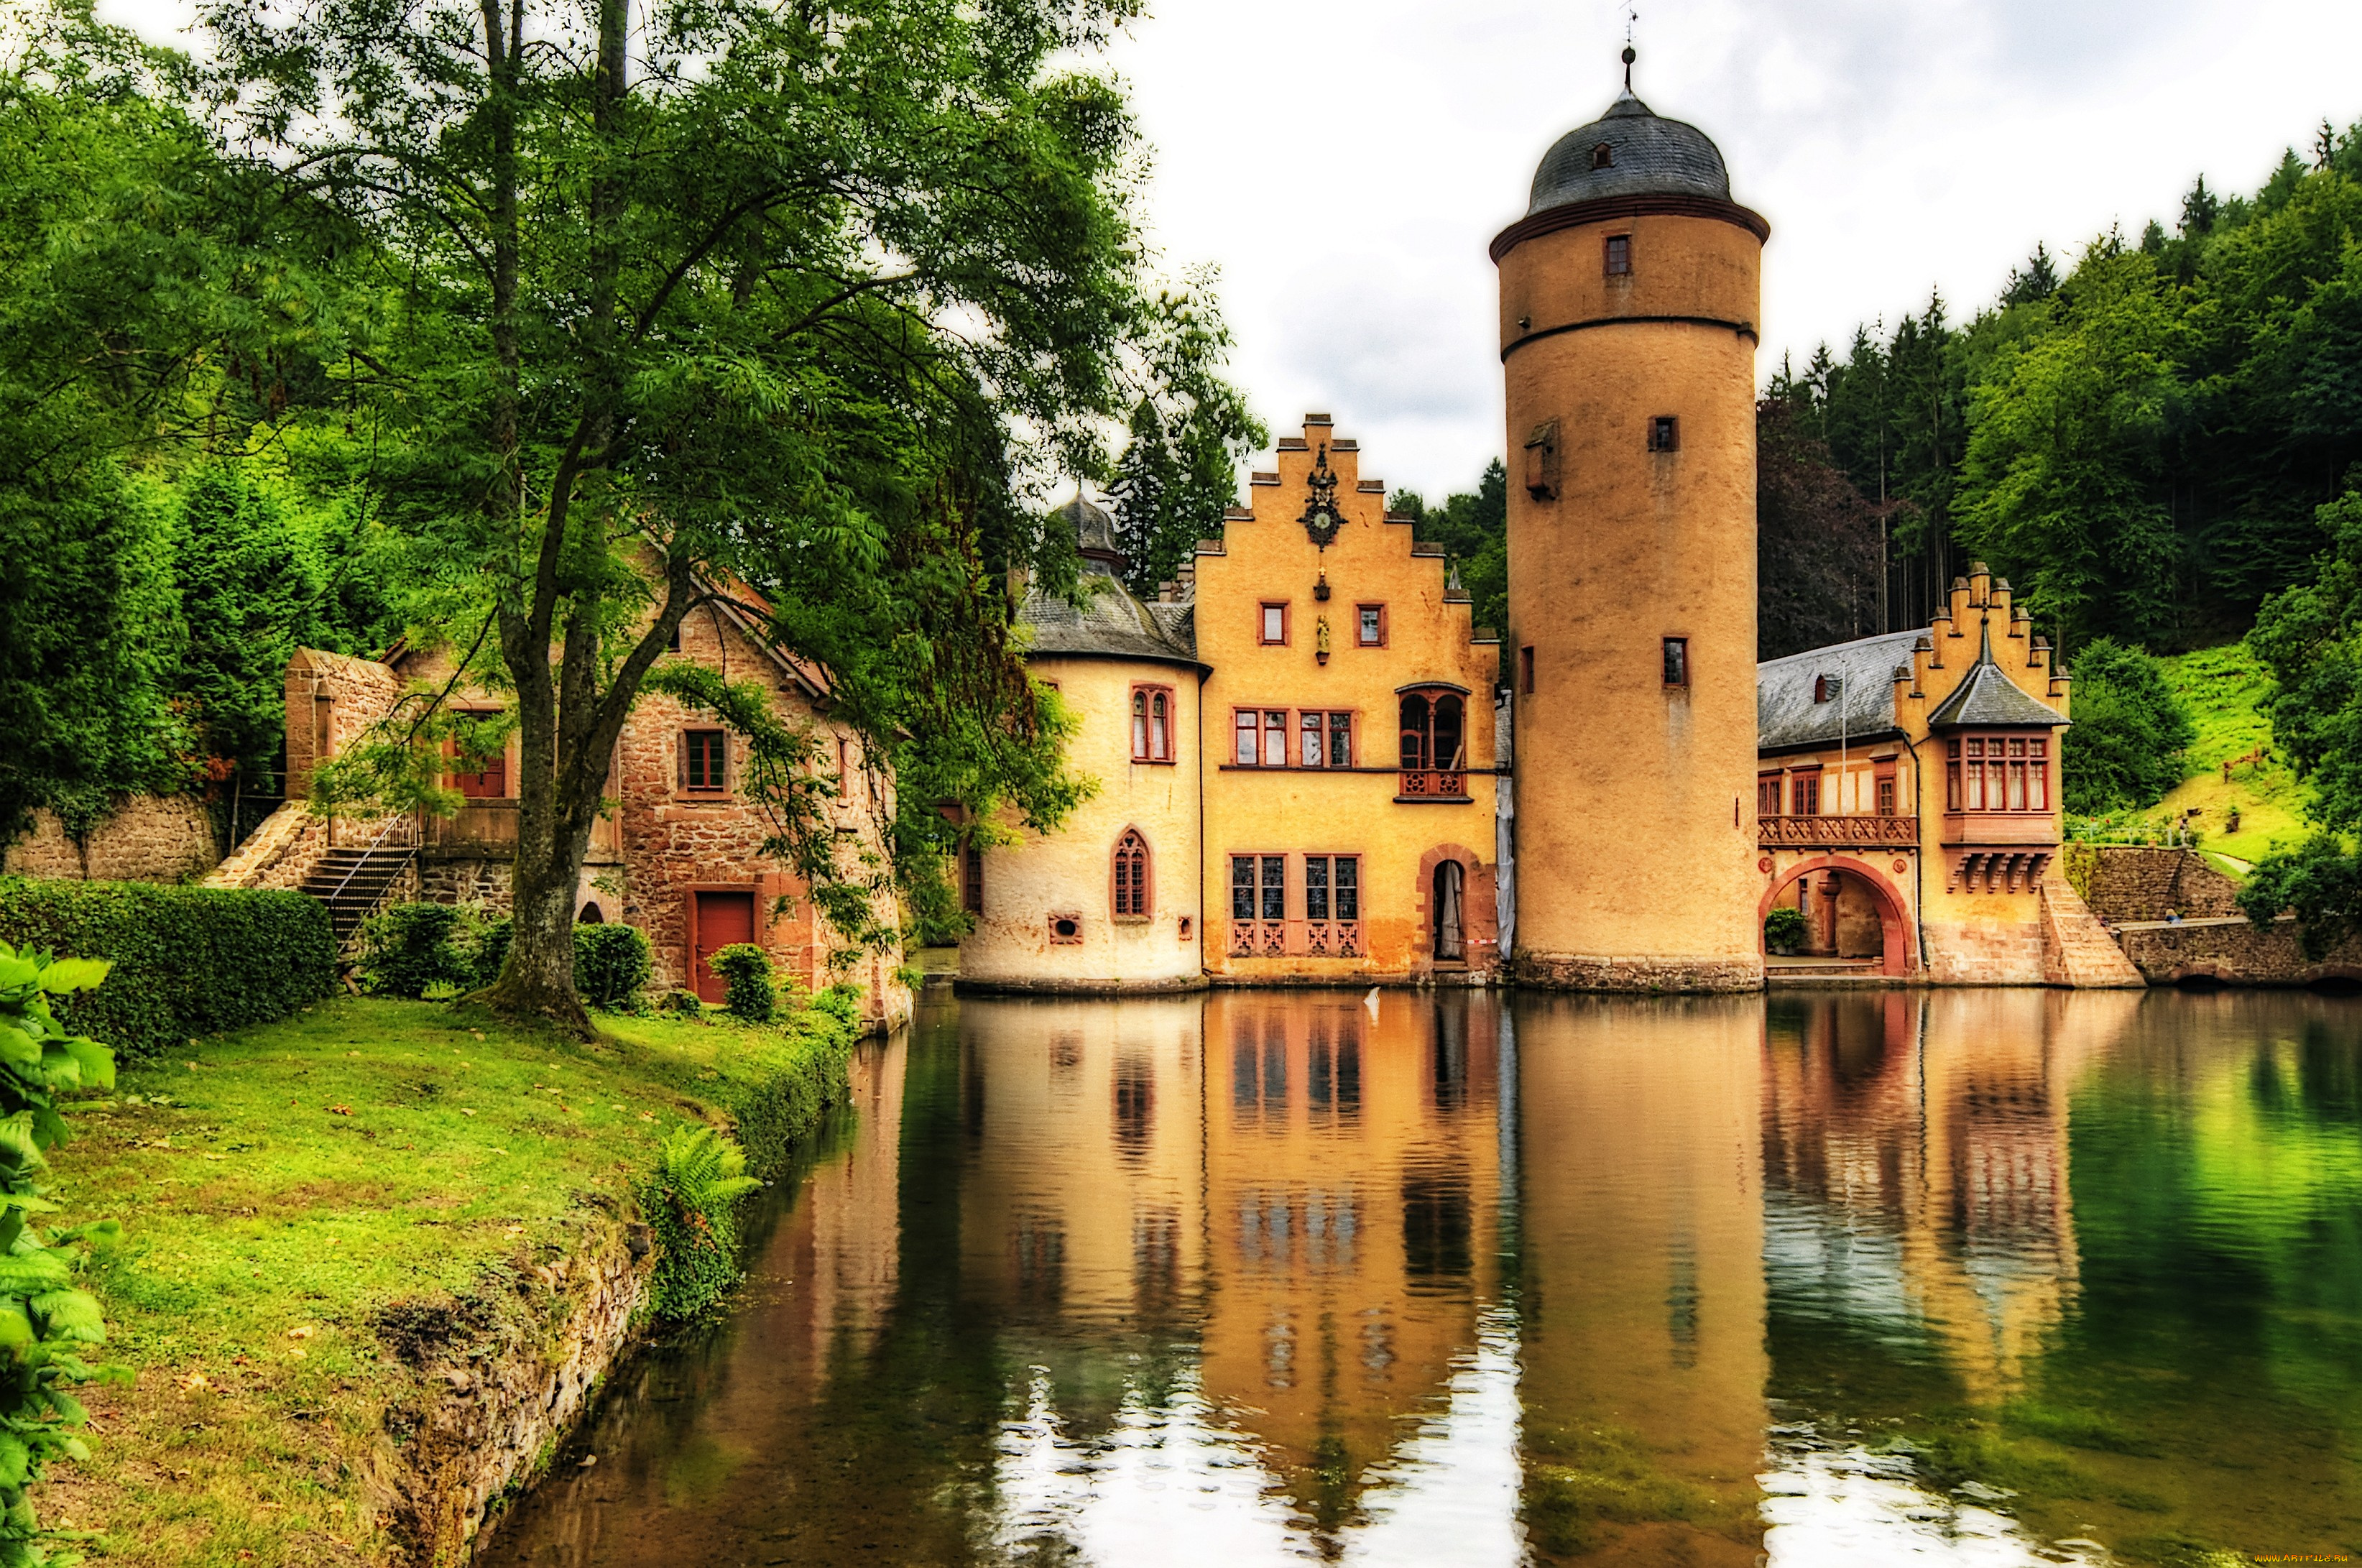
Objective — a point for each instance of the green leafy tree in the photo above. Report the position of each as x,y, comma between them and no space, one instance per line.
2309,636
1178,470
2131,732
680,298
2062,484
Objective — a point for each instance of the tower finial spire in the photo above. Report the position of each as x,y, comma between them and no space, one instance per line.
1631,20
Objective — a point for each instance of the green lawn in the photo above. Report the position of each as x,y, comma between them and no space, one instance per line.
2225,689
280,1185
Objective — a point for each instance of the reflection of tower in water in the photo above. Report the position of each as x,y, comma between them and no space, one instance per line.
1640,1290
1351,1186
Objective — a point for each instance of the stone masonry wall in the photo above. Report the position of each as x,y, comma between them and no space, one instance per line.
149,838
2133,883
2234,953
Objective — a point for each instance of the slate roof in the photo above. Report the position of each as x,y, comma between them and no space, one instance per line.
1786,717
1989,699
1650,156
1113,625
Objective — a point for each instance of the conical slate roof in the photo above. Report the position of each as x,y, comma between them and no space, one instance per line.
1112,624
1989,700
1630,151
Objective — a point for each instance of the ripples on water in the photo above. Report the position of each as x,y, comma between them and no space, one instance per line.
1967,1278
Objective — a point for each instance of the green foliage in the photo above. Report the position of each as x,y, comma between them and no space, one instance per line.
2139,442
1817,541
1785,931
690,1200
408,949
1474,529
2311,638
2321,880
748,990
1178,471
755,309
2131,735
47,1325
681,1003
184,961
611,965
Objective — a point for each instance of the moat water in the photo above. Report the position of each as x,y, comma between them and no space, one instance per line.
1977,1277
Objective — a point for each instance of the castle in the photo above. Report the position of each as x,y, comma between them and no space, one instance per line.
1304,779
1311,769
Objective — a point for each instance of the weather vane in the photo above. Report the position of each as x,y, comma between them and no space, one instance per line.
1631,20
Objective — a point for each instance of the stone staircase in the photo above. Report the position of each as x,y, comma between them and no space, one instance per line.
353,881
2075,948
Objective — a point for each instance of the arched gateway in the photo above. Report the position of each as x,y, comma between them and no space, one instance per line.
1899,938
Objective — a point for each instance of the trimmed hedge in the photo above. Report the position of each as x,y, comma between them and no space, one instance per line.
188,961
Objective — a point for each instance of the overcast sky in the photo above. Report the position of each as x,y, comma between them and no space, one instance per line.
1346,165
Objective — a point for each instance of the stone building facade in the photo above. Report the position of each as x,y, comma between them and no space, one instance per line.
1294,756
679,854
1907,802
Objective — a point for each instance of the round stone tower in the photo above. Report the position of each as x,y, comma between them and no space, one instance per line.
1628,302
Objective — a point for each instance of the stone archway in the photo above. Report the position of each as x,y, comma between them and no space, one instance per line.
1898,936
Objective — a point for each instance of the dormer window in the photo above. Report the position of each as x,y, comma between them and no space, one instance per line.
1824,688
1603,157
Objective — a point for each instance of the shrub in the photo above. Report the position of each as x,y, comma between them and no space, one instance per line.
684,1002
409,948
1784,930
842,1001
691,1202
611,965
748,989
46,1324
493,949
182,961
2131,732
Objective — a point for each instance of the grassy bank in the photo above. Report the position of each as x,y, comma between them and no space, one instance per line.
2226,689
288,1189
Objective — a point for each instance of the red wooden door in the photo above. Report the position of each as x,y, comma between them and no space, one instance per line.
721,919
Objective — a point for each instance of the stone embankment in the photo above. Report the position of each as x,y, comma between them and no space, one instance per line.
2134,889
497,1387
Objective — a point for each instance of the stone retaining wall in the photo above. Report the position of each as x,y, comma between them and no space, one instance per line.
149,838
2234,953
2133,883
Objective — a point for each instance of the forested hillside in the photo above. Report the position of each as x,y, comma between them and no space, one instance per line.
2140,442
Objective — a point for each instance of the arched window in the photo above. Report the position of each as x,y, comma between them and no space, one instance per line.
1432,731
1138,723
1132,889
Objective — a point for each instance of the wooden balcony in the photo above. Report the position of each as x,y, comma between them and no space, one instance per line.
487,828
2001,828
1837,832
1447,784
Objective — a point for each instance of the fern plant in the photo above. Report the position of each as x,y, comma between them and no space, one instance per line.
691,1201
46,1325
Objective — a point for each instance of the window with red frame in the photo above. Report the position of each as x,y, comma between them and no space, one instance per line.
704,761
1370,622
1805,793
1766,794
1132,876
1997,773
1261,738
1152,723
1325,739
1275,623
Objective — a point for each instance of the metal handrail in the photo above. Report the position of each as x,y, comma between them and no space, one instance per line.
374,845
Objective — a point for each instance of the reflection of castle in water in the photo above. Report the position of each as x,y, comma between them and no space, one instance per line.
1916,1165
1352,1189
